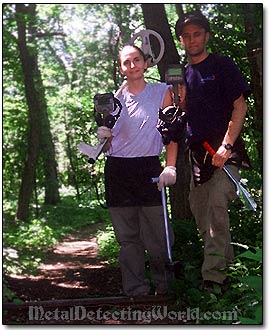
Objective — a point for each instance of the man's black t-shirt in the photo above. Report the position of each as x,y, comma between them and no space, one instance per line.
212,87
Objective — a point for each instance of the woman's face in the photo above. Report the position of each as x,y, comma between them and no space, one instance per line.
132,63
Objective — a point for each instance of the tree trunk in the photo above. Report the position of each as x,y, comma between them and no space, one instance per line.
52,196
47,151
39,129
155,19
179,192
28,62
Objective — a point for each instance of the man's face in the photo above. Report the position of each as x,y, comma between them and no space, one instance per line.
194,40
132,63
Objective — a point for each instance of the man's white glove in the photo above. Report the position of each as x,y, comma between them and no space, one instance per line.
103,132
168,177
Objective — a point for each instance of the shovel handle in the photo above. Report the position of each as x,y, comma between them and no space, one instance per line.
208,148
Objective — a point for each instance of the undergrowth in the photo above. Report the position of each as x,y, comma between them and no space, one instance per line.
25,245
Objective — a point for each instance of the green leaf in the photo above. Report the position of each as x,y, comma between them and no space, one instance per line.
258,313
246,320
254,282
250,255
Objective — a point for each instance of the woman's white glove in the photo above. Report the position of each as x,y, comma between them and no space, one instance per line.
168,177
103,132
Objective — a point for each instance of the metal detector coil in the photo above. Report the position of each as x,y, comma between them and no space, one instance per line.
146,46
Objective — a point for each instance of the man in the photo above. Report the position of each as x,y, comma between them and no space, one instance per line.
216,110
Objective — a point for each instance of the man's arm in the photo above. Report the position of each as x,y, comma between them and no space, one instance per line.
233,131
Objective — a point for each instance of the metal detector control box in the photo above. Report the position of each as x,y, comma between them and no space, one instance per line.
174,74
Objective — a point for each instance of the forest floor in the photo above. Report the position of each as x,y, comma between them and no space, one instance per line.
73,270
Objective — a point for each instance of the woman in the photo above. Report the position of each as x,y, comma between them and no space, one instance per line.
134,202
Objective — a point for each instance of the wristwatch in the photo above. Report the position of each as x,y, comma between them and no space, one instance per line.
228,146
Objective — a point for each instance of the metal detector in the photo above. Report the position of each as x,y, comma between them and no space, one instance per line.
173,266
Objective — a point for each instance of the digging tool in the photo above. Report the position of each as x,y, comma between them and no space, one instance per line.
173,266
241,192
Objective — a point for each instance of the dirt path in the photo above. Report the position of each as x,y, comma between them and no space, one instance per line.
73,270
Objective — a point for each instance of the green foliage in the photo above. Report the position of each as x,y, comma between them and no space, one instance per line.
8,295
26,243
108,246
34,235
188,243
249,285
247,226
242,303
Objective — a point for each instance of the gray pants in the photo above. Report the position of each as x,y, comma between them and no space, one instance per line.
139,229
209,205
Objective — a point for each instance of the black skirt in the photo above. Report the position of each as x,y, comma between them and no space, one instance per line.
128,181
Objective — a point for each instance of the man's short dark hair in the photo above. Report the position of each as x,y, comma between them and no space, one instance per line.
194,17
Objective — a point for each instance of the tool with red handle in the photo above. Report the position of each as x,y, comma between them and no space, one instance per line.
241,192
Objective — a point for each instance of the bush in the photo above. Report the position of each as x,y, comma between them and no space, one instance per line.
108,246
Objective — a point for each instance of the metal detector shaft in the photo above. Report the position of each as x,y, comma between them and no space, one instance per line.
166,219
